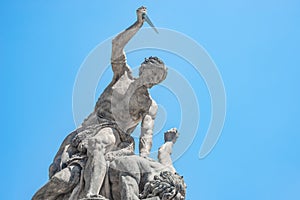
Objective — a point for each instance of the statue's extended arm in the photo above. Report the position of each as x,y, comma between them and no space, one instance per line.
147,130
165,151
118,57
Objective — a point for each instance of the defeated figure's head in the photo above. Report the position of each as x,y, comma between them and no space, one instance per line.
152,71
168,186
171,135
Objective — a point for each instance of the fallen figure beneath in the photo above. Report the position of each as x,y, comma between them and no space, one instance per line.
129,177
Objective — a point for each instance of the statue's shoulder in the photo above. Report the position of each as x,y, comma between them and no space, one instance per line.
122,84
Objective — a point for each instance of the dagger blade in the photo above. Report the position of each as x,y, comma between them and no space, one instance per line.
147,19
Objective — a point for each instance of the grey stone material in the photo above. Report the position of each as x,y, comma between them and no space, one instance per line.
97,160
152,198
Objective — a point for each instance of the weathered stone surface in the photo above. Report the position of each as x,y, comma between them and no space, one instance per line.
95,198
152,198
97,161
136,172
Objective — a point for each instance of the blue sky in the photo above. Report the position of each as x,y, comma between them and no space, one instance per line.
255,45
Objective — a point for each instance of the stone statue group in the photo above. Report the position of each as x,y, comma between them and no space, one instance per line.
97,160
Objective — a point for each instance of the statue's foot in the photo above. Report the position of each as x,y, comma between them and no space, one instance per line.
95,197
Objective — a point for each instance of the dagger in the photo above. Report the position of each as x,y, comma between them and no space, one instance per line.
147,19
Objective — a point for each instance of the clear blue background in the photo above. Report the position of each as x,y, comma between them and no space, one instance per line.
255,45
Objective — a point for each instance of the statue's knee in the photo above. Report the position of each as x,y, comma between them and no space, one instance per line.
95,145
129,188
68,176
100,142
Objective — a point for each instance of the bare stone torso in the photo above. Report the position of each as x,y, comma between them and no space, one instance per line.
124,102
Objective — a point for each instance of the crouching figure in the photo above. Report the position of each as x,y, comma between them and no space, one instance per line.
129,177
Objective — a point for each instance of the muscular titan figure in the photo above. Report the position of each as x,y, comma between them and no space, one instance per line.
121,107
126,102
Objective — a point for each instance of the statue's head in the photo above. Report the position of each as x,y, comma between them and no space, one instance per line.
168,186
152,72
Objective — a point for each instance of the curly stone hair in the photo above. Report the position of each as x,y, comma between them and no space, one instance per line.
166,186
153,64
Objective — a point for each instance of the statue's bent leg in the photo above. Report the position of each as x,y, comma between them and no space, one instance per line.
129,188
60,183
95,169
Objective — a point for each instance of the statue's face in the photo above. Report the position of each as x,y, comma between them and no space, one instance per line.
151,75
